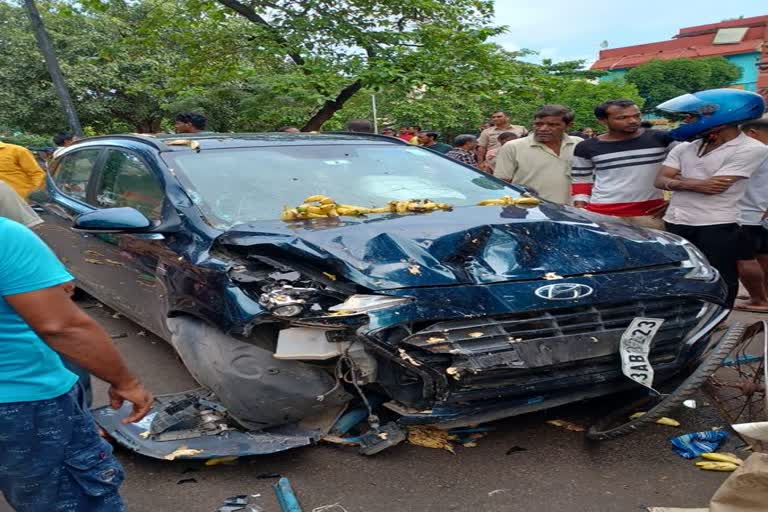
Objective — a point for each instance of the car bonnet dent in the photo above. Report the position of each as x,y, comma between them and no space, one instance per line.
473,245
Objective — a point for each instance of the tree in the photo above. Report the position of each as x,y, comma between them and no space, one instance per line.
661,80
52,62
343,46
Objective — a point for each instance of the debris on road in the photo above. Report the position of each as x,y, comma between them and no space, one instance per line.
239,503
661,421
379,438
286,497
716,466
497,491
516,449
690,446
220,460
430,437
182,452
187,481
567,425
722,457
336,507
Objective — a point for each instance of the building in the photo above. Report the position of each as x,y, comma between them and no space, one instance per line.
743,42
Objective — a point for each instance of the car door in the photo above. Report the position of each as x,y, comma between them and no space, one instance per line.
64,199
128,262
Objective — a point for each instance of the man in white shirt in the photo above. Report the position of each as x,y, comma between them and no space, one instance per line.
753,209
709,178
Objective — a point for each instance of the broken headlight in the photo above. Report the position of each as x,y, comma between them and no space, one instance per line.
697,262
364,303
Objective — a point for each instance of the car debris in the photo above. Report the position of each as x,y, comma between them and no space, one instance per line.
286,498
241,503
430,437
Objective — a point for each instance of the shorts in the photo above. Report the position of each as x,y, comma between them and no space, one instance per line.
755,241
53,460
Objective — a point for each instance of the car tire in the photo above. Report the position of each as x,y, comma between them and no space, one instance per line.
602,430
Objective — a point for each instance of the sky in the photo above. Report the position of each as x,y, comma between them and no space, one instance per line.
571,29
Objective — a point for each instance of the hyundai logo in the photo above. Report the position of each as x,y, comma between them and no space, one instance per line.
564,291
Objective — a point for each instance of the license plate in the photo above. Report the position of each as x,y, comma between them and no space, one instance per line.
634,348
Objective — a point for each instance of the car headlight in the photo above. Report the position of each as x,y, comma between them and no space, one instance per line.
356,304
697,262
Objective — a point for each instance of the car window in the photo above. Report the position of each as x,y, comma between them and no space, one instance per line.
127,181
241,185
74,171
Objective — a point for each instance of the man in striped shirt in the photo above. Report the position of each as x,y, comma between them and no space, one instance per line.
614,173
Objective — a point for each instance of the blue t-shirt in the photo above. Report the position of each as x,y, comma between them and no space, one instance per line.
29,369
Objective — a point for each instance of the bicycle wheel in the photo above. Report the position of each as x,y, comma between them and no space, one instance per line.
618,422
737,388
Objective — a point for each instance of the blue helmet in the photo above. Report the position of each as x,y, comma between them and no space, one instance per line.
715,107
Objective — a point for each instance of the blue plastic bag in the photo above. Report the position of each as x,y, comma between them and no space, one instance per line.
694,444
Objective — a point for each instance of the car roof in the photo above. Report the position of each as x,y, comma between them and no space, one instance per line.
211,140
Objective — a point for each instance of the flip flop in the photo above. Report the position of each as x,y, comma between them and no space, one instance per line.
742,297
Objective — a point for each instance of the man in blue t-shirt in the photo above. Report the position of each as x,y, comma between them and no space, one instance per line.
51,456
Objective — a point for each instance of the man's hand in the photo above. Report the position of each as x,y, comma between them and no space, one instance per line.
135,393
658,212
580,204
712,186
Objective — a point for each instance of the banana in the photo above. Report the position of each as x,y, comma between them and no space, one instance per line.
401,206
289,214
527,200
716,466
668,421
315,199
314,216
723,457
325,208
315,209
327,200
332,213
386,209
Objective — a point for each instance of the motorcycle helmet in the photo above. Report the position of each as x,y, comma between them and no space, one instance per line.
712,108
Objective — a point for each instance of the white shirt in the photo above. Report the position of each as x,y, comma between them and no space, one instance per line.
738,157
755,200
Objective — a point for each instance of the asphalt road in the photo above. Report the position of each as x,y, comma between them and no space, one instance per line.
557,471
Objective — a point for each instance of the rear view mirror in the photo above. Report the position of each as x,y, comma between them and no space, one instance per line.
113,220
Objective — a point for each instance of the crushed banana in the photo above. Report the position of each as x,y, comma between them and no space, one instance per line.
320,207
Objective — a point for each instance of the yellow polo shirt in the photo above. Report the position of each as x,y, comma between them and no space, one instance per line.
19,169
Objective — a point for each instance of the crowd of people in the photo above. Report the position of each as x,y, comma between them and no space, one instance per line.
706,180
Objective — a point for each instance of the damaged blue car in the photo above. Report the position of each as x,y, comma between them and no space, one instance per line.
450,317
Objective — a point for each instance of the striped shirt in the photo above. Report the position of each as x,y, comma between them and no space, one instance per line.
616,177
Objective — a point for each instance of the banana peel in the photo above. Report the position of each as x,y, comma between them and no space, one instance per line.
717,466
510,201
661,421
722,457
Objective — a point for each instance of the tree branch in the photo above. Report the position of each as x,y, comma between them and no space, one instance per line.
332,106
249,13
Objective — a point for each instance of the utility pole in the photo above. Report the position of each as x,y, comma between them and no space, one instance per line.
52,63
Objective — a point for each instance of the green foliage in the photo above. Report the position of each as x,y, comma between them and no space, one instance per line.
661,80
582,97
28,140
258,65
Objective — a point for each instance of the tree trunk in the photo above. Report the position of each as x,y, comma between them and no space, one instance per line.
44,43
332,106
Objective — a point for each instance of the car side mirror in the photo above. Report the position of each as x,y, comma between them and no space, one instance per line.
113,220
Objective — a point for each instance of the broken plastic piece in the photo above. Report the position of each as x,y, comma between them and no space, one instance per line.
286,497
381,438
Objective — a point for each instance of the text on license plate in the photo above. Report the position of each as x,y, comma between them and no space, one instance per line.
635,346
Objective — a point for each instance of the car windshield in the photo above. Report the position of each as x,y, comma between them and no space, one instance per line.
234,186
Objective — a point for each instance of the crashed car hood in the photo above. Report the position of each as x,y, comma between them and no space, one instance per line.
469,245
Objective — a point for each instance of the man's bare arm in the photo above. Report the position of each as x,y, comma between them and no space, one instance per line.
668,178
481,152
68,330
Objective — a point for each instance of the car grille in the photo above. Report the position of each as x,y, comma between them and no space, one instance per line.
563,345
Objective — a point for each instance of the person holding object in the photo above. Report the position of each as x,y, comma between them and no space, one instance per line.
708,174
51,455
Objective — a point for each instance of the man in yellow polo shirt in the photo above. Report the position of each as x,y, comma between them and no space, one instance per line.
19,169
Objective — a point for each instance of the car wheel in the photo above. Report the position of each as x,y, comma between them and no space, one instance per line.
618,423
